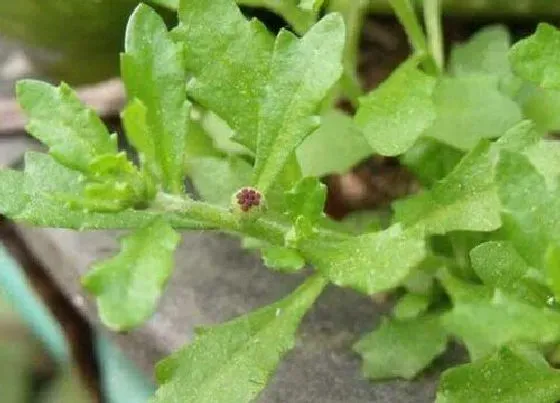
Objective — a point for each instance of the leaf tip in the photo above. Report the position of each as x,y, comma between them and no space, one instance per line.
27,90
336,19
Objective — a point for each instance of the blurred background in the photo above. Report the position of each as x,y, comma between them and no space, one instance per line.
48,351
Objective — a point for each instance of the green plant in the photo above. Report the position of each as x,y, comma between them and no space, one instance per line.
475,255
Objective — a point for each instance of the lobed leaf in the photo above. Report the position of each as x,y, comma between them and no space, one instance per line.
13,197
536,58
45,180
288,178
486,52
302,229
431,160
540,105
499,266
530,207
401,348
369,263
335,147
469,109
47,194
299,16
282,259
461,291
507,376
220,134
134,118
231,363
301,74
465,200
153,70
75,135
307,198
229,59
394,115
359,221
420,284
486,325
128,285
411,306
216,179
545,158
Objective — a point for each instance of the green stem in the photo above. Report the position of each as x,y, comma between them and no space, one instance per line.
267,228
480,8
353,12
221,218
432,20
407,17
409,20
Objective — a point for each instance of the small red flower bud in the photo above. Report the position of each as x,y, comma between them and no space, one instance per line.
248,199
